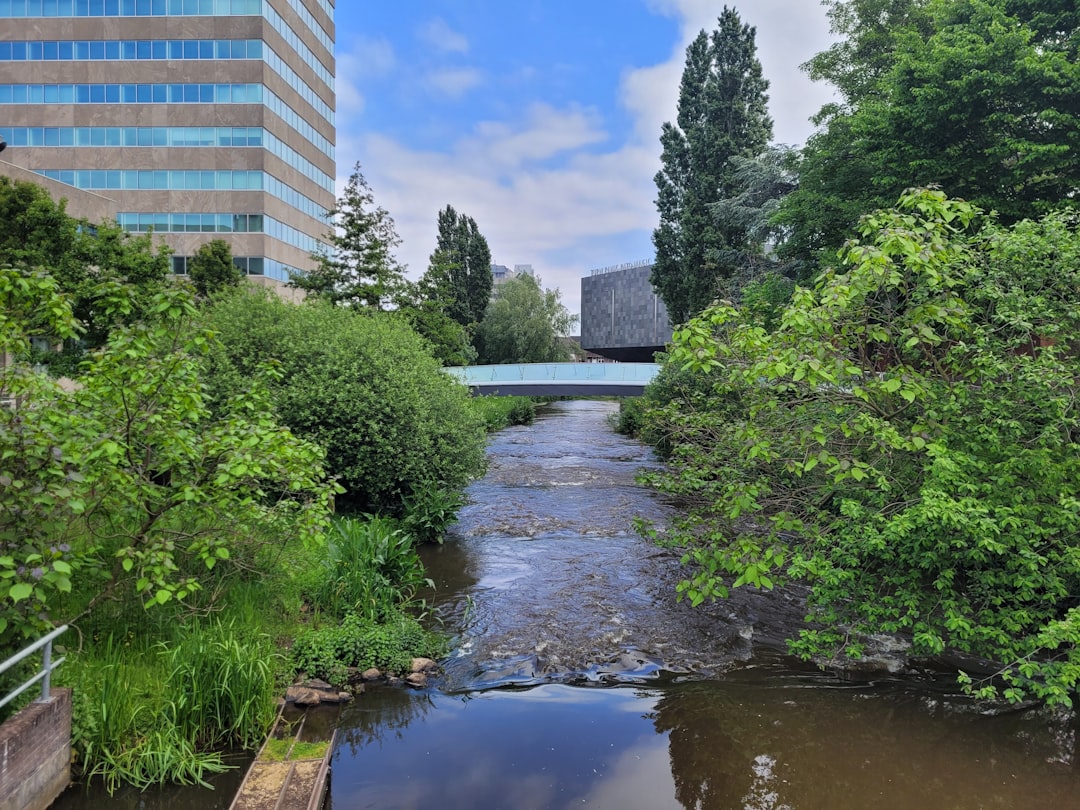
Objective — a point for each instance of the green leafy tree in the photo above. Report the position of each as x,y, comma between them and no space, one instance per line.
362,385
127,482
722,114
459,274
979,97
86,261
524,323
359,268
905,441
212,268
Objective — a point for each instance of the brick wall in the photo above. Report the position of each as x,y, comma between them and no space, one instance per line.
35,754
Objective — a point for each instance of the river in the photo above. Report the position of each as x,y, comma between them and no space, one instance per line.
578,680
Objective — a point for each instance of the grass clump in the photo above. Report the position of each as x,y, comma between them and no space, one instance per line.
500,412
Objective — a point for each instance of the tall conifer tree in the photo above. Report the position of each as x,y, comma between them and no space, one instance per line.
722,114
459,273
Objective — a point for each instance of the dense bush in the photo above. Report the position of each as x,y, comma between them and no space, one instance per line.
499,412
362,385
906,441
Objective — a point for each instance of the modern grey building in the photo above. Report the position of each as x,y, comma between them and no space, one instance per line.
198,119
622,317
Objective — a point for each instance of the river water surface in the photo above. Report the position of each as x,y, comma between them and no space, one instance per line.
578,680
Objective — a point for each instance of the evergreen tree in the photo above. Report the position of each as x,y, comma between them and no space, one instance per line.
360,269
722,114
459,274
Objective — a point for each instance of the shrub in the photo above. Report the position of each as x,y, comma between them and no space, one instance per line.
328,652
362,385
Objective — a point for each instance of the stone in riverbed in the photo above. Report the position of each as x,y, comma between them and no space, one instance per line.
371,674
423,665
417,680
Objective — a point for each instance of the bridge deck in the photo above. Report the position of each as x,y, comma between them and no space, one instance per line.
557,379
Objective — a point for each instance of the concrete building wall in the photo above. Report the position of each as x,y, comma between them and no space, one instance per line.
622,318
35,754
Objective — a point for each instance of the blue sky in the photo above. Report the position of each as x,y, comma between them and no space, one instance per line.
539,118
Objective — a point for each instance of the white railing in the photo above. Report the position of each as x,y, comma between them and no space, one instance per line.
47,666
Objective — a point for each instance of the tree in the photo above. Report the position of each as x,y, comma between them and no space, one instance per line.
905,441
524,324
86,261
979,97
212,268
359,268
362,385
128,482
459,274
722,114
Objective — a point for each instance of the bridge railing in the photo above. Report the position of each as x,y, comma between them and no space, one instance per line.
47,666
609,373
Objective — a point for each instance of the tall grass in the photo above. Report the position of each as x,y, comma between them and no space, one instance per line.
371,568
221,689
153,717
117,730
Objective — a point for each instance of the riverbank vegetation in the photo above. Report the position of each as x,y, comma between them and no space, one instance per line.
905,441
173,500
878,398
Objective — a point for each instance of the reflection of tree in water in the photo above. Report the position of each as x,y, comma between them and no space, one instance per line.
710,769
381,712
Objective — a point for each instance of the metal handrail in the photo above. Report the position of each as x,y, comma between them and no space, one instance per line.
47,666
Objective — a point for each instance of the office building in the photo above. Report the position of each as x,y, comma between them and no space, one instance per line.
197,119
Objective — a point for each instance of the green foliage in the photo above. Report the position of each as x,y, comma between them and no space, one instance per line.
722,115
448,340
86,261
428,513
358,269
371,569
117,731
212,268
979,97
130,482
327,653
459,277
499,412
524,324
905,441
362,385
220,687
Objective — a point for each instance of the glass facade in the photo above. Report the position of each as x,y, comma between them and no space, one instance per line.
186,137
219,223
185,180
268,135
249,265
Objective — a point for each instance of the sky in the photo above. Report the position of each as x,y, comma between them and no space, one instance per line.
540,118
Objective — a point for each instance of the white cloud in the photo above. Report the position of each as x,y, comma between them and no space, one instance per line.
365,59
552,187
438,34
454,82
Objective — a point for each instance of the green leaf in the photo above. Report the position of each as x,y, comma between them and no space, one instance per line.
20,591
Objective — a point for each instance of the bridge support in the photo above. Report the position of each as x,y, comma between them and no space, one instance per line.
35,753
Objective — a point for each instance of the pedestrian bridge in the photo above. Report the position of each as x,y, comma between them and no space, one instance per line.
557,379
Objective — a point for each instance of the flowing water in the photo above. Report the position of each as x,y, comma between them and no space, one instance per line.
578,680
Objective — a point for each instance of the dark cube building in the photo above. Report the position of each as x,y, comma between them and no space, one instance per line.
622,318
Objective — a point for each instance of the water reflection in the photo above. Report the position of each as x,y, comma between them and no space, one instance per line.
757,744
